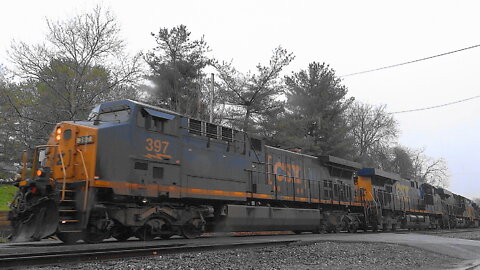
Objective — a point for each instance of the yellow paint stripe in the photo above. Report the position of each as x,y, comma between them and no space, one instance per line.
260,196
198,191
158,156
221,193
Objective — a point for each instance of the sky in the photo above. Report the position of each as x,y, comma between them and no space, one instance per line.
350,36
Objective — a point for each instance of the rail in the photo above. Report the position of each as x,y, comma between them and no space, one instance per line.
19,256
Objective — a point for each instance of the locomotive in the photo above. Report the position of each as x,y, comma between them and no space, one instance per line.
138,170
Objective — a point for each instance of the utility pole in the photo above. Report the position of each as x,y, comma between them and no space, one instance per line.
211,97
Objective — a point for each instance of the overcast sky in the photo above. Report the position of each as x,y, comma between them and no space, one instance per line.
351,36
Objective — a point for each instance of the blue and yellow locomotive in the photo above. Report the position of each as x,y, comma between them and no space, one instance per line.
139,170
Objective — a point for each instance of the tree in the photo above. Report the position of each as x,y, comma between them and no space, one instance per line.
254,95
316,106
433,171
372,129
476,201
81,64
401,162
6,123
176,66
416,165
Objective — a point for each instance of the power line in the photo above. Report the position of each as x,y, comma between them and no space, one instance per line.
437,106
410,62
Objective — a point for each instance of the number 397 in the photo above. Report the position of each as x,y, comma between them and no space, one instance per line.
156,145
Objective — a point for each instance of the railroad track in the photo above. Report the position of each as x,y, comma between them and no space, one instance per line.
60,254
445,231
53,252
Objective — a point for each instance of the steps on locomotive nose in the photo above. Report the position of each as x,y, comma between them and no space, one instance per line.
69,216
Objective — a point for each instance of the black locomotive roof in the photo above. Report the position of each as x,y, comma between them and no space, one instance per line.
327,160
347,164
380,173
145,105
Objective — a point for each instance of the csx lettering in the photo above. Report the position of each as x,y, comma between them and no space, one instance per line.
269,176
156,145
289,170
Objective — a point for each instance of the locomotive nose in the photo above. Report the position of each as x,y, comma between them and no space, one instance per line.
45,196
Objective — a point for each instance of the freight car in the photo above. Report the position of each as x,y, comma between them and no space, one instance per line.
139,170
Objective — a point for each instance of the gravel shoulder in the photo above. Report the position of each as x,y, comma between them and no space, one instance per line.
320,255
471,234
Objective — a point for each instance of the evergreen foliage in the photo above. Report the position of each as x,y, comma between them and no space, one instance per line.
83,63
176,66
314,119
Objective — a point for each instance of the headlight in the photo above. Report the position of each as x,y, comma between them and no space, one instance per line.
85,139
58,132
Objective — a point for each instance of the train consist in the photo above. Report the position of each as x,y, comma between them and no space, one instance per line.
139,170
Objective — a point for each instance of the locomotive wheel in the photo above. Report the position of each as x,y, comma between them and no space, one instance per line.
121,233
352,227
166,236
190,231
350,224
69,238
93,235
145,234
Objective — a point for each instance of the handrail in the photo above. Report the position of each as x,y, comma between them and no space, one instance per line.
373,197
35,162
64,185
24,162
63,165
87,182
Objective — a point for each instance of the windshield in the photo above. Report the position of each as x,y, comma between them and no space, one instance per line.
116,113
93,113
115,116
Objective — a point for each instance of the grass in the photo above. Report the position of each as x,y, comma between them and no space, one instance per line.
6,196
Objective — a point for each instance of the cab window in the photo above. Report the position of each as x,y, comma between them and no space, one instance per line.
156,121
120,113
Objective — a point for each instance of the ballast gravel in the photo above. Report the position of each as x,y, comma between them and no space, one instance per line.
320,255
471,233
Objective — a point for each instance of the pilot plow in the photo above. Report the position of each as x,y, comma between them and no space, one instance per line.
33,217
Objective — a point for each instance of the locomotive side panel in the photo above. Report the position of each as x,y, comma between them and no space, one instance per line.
214,162
286,175
114,167
140,157
401,191
313,174
156,153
